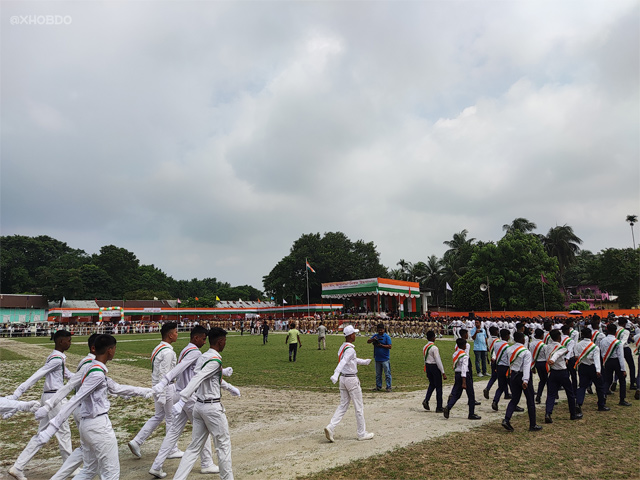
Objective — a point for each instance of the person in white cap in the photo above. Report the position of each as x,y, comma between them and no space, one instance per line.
347,371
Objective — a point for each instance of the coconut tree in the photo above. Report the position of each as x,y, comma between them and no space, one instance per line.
519,225
563,244
632,220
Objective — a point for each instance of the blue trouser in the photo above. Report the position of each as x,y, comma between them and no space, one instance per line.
435,383
503,381
516,392
628,356
558,378
541,368
613,366
481,356
386,366
587,375
456,392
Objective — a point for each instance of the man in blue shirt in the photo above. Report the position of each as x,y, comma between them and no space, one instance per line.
381,346
480,348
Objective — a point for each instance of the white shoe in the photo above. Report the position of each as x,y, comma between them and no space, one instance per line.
366,436
76,471
17,473
176,454
329,434
158,473
135,448
212,469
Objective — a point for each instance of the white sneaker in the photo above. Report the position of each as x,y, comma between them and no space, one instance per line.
366,436
17,473
212,469
176,454
158,473
328,433
135,448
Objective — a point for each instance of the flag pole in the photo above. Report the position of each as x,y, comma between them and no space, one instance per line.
306,269
544,303
489,295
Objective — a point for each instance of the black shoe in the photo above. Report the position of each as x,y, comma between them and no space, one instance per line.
535,428
633,387
507,396
589,391
439,409
473,416
637,395
579,409
494,406
547,419
485,392
446,411
538,400
478,403
519,409
577,416
507,426
613,387
425,404
624,403
603,409
289,358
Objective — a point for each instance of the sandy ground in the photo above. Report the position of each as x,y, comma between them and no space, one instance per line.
279,434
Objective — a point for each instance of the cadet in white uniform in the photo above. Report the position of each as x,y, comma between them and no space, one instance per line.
54,372
350,391
163,359
208,414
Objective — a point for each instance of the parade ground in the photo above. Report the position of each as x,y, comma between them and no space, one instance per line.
276,426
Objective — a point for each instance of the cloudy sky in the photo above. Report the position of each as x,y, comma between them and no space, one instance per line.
206,137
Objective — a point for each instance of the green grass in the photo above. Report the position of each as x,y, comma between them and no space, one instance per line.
7,355
268,365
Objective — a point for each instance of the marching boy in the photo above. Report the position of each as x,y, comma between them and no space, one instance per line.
463,381
435,371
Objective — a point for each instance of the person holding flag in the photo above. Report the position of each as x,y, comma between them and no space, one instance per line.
520,361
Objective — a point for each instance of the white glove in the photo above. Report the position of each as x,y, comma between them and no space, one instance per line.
367,361
9,414
227,371
42,412
161,398
11,397
177,407
234,391
34,406
149,393
159,387
334,378
45,435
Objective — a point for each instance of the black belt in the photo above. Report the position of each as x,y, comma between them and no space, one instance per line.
98,415
349,374
211,400
50,391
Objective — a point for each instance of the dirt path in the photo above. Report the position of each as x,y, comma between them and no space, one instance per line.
279,434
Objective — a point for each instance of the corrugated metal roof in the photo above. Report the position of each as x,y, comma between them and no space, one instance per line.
23,301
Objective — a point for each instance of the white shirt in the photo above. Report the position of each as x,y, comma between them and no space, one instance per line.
617,351
163,359
349,361
591,358
542,355
433,357
54,371
72,383
207,381
522,363
462,366
558,354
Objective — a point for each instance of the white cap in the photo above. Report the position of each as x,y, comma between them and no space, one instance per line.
348,330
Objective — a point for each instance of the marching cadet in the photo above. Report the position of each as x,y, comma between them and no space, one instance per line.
558,377
347,372
520,361
539,361
589,371
463,381
435,371
613,360
502,365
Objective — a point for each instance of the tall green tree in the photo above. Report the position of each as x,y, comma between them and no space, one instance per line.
619,274
519,225
122,267
333,257
563,244
632,220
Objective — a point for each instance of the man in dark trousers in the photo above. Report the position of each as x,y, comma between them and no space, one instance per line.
463,381
265,331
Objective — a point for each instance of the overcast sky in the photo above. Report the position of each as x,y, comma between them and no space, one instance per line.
206,137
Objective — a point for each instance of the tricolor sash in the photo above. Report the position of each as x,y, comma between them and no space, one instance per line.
59,357
546,338
501,351
536,352
186,352
425,352
557,347
587,350
343,349
94,368
155,353
216,358
457,356
565,342
620,332
516,353
609,351
637,344
594,335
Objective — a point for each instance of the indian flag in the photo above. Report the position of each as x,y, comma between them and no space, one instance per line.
309,266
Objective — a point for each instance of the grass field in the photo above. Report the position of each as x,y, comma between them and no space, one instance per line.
268,365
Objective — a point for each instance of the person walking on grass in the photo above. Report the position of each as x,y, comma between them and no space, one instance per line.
382,354
350,391
293,339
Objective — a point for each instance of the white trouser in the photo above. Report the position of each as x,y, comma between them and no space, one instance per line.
349,391
100,449
163,412
170,441
74,460
208,419
63,435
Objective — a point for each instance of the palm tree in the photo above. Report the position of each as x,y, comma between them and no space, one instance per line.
405,268
632,219
433,276
520,225
459,241
563,244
